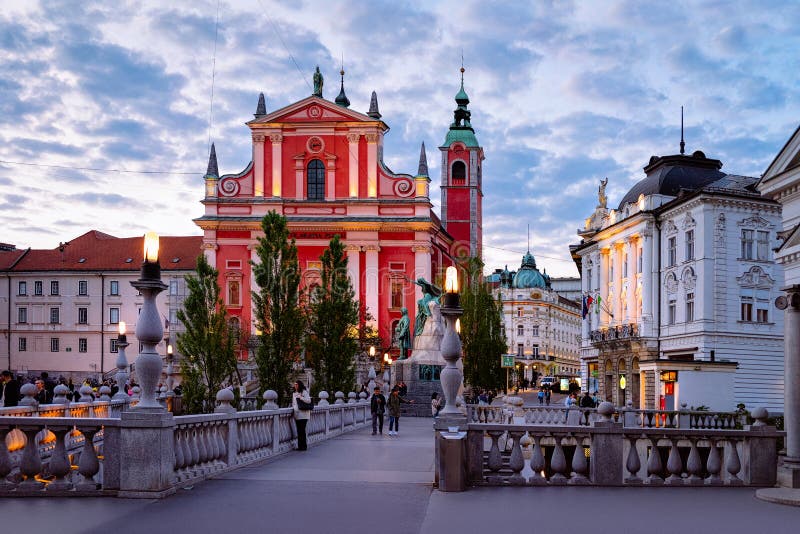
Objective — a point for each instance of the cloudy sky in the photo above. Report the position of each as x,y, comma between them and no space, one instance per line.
562,95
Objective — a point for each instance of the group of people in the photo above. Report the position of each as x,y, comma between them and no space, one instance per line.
11,385
586,401
378,406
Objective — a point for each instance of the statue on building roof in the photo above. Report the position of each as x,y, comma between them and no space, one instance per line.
601,193
318,82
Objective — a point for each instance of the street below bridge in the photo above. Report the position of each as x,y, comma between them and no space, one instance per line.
358,483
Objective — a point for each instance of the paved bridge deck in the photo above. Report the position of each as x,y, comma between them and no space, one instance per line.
360,483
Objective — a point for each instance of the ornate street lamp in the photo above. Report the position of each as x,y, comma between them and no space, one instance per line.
122,364
451,377
149,329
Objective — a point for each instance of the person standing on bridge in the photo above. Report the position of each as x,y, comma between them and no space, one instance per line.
394,410
301,417
377,406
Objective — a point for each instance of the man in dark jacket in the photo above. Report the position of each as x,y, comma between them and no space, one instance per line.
9,389
586,401
377,406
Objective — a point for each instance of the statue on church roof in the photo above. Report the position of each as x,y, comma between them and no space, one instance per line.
318,82
601,193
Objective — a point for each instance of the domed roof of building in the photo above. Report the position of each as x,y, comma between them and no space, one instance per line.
528,275
668,175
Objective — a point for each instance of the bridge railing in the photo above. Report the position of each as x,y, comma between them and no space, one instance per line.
147,454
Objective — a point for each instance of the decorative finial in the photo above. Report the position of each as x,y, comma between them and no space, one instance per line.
682,143
373,106
213,169
423,162
529,238
261,108
342,99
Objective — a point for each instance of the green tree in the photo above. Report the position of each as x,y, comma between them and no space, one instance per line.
333,320
482,337
208,345
278,314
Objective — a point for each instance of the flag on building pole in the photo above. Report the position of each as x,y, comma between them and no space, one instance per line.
589,301
584,308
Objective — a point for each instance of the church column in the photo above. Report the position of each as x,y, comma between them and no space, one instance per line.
603,293
258,165
352,146
646,318
253,248
586,286
619,259
354,267
277,164
631,245
372,165
422,266
210,252
788,474
371,281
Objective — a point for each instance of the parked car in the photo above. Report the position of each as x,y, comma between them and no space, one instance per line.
548,382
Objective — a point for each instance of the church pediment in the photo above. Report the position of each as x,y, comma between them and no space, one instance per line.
787,159
312,109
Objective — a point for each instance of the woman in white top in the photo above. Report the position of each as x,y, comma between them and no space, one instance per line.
301,417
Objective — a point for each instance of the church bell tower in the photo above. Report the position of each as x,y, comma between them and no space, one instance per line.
462,176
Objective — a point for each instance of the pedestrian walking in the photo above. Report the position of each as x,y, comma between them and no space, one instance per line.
394,402
9,390
586,401
547,396
377,406
301,416
540,396
436,404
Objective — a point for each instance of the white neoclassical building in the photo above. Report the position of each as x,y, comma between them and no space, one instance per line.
542,327
678,282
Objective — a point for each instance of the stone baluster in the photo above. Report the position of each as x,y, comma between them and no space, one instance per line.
105,393
323,398
516,462
339,397
186,447
537,463
59,461
179,458
270,396
221,445
579,466
495,460
202,445
192,436
732,463
87,395
60,394
654,465
633,464
211,438
694,466
674,465
224,401
714,465
361,396
29,399
5,461
558,463
351,397
31,463
88,466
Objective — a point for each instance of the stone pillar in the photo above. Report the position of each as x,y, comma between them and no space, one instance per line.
354,267
330,179
372,274
604,281
147,455
607,448
258,165
210,252
586,288
372,165
619,260
632,252
277,164
789,472
352,140
253,286
646,318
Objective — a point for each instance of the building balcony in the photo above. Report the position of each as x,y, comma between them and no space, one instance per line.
614,333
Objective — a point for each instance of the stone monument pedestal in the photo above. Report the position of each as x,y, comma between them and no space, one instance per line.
419,389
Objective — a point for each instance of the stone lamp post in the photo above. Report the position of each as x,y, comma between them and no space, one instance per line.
149,329
122,364
451,377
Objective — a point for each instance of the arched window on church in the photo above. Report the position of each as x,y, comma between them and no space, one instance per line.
315,180
459,173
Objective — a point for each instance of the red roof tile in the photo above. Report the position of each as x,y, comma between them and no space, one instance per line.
96,251
9,257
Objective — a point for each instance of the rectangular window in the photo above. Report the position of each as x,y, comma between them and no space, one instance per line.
689,307
762,248
83,315
22,315
747,309
113,346
536,351
672,252
520,330
233,264
23,344
520,350
22,288
55,316
113,315
54,287
535,330
83,288
53,344
83,344
173,287
113,288
519,312
747,244
397,294
762,315
671,312
690,245
37,288
235,291
173,318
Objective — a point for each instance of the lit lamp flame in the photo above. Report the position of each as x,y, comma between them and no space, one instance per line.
451,280
169,350
122,328
151,247
372,352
